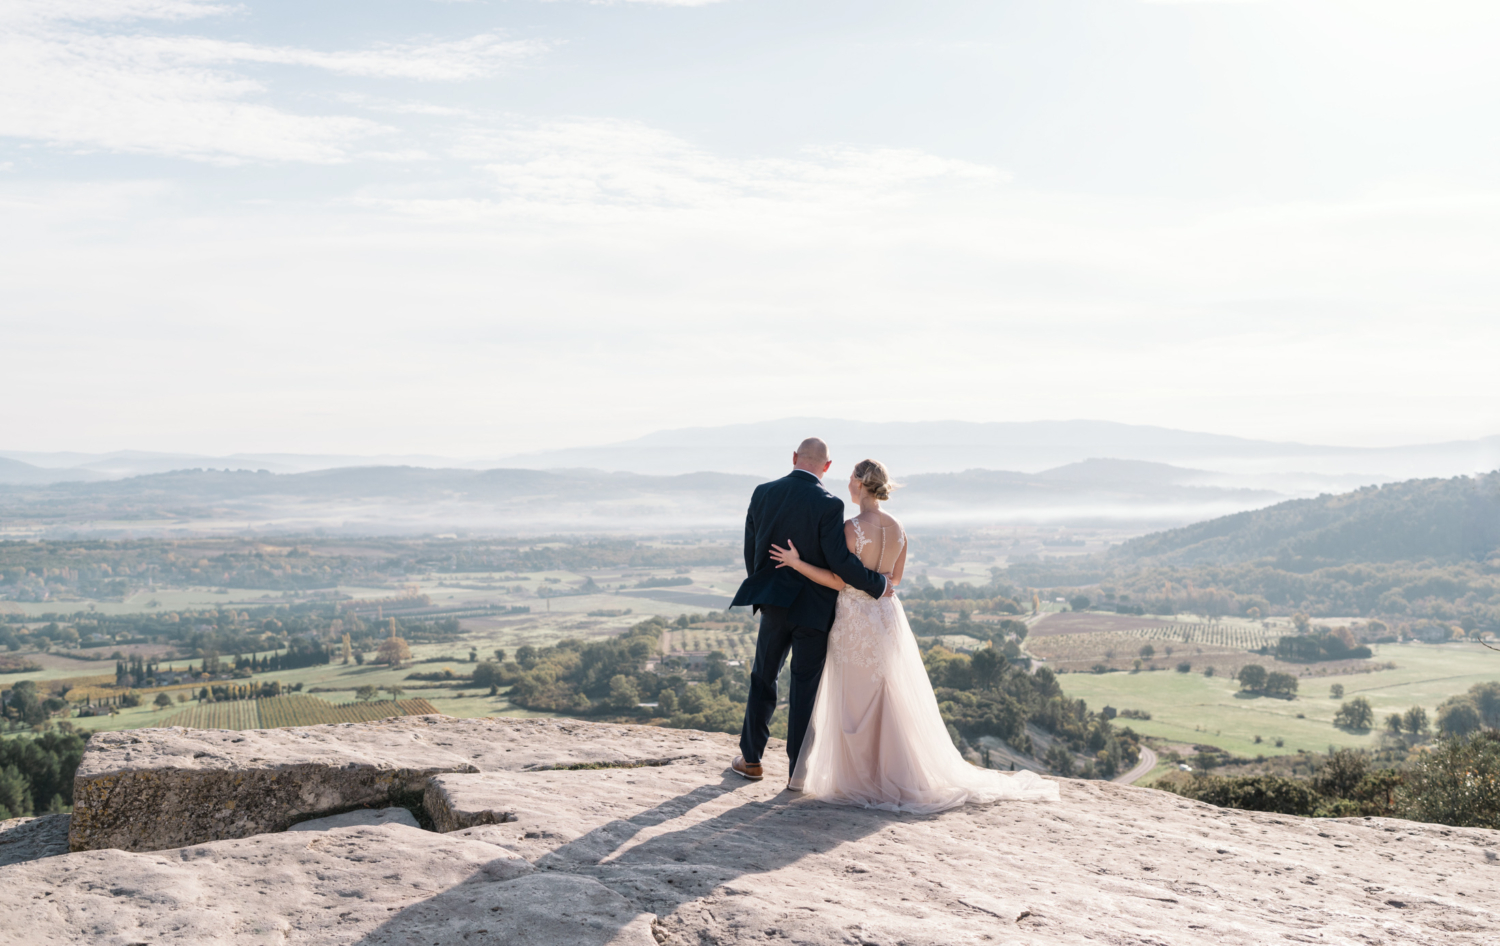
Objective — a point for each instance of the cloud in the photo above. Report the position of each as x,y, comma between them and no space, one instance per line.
116,11
177,95
112,93
580,161
473,58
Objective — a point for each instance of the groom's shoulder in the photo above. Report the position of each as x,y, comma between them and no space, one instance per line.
803,488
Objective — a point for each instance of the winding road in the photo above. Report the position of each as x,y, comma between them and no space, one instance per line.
1147,763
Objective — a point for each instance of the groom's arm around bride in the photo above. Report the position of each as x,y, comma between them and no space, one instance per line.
796,613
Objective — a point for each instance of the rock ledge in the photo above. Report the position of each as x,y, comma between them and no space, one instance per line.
545,839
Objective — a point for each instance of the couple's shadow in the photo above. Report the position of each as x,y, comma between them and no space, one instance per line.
672,868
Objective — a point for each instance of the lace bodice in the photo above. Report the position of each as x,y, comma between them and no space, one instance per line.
878,544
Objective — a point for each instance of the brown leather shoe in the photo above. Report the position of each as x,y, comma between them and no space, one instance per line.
749,770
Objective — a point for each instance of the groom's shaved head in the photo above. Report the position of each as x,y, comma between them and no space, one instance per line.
813,450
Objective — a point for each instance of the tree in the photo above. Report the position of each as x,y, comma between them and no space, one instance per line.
1283,685
25,704
1336,692
1458,783
1357,714
1458,716
1393,724
666,702
500,655
1252,677
624,697
366,692
1185,667
1060,760
988,666
163,700
1079,602
394,691
717,665
15,793
393,651
1341,773
1148,652
1486,697
488,674
1414,721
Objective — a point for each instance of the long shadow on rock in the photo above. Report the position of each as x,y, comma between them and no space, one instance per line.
602,889
666,871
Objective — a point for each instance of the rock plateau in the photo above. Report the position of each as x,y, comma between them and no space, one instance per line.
434,830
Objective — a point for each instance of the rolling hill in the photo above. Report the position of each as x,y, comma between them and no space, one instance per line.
1443,520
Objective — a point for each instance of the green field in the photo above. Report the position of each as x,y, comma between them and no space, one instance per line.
1192,708
295,710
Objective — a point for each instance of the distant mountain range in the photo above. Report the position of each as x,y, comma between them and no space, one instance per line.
1065,472
408,499
763,449
954,446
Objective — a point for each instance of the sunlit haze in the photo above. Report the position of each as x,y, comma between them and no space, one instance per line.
477,229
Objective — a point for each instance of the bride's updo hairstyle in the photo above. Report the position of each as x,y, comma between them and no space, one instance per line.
875,478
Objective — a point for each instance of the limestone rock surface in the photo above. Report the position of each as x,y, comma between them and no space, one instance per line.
368,885
151,789
556,841
364,817
26,839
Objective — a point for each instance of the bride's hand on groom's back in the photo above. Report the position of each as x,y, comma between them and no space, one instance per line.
785,557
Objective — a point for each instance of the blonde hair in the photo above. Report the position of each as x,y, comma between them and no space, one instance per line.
875,478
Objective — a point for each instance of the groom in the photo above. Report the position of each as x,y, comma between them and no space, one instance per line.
796,614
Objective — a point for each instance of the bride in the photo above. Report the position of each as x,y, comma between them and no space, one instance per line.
876,738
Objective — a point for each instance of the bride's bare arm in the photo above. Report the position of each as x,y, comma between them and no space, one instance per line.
788,558
898,569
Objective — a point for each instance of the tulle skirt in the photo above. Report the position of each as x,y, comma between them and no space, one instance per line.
877,738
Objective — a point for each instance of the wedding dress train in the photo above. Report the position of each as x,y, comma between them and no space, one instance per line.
877,738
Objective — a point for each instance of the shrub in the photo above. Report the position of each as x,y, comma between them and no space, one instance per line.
1457,783
1250,793
1341,773
1184,667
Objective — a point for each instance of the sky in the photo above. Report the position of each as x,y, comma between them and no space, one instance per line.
479,228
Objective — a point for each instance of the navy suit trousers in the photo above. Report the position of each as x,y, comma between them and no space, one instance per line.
809,648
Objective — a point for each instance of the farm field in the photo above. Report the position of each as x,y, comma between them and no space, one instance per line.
1192,708
295,710
1077,642
733,640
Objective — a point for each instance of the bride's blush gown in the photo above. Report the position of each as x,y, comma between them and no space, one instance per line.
877,738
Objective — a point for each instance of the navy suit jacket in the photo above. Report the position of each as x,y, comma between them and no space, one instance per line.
799,508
